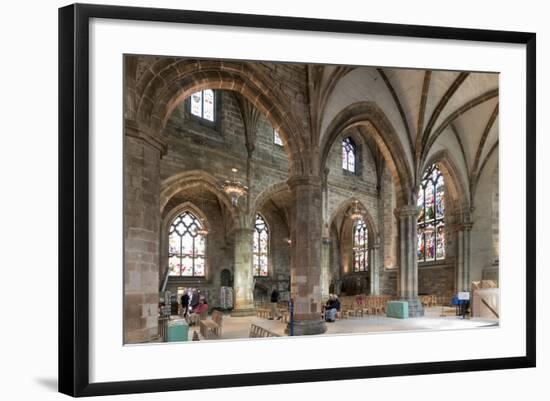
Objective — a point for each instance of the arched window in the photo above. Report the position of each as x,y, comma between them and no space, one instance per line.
276,138
348,154
260,248
187,248
431,217
360,246
202,105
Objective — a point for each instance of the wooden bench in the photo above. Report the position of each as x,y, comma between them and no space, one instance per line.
260,332
212,327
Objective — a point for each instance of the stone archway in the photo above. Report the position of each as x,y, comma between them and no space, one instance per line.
378,128
170,81
190,179
345,237
458,224
345,205
265,195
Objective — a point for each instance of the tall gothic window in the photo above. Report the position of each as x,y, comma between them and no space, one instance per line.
360,246
348,154
260,248
431,217
186,248
202,104
277,139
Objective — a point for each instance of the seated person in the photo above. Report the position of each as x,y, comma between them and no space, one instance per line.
201,307
332,306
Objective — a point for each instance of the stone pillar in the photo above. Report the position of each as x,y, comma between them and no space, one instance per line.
408,266
142,153
462,279
374,269
243,280
325,268
305,254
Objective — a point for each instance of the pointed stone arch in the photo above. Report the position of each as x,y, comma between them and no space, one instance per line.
171,214
168,82
345,205
170,187
266,194
378,128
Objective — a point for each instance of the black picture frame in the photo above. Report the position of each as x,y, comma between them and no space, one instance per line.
74,194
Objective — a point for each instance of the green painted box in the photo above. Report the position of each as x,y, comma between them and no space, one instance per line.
398,309
178,330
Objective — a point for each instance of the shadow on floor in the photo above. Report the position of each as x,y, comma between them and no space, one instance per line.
48,382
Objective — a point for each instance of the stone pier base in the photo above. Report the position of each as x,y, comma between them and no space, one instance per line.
415,307
307,327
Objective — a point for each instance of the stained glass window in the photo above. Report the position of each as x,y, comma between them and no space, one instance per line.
260,248
431,216
360,246
187,249
277,139
348,154
202,104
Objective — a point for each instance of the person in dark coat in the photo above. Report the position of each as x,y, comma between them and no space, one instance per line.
274,304
185,303
331,308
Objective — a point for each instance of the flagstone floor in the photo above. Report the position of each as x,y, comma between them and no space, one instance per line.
436,318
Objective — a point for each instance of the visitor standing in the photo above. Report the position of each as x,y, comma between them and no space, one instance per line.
185,303
274,304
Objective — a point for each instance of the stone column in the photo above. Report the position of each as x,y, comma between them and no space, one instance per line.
374,269
325,268
142,153
243,280
462,279
408,266
305,254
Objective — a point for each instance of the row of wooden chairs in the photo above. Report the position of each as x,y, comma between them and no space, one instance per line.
263,310
434,300
260,332
362,305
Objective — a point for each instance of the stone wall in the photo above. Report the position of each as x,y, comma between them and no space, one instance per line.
436,280
483,264
141,239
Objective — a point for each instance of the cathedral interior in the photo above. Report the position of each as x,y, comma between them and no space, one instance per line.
375,184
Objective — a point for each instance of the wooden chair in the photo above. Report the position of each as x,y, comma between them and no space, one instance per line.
213,327
260,332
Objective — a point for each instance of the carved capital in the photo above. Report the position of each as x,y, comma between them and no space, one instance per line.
136,130
302,180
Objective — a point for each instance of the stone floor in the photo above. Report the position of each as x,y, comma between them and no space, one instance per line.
239,327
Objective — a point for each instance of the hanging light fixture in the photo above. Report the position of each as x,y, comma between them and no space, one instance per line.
234,189
356,214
